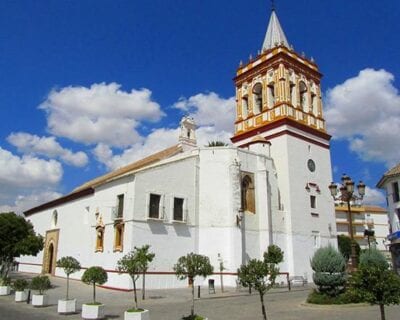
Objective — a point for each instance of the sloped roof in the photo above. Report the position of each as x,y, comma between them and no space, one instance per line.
156,157
88,187
395,171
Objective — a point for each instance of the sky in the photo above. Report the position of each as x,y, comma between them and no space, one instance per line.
88,86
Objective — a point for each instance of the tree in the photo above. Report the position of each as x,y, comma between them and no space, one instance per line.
146,258
261,274
134,263
93,276
217,143
374,282
191,266
329,271
344,244
69,265
17,237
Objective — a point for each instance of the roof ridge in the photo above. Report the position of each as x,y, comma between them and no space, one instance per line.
151,159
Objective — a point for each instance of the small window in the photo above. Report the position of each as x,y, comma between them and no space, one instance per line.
396,195
178,209
154,206
248,194
316,239
313,202
118,236
99,239
120,208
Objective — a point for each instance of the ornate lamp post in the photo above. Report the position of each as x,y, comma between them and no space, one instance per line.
347,194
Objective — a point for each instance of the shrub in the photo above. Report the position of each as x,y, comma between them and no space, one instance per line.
93,276
374,282
373,258
5,281
346,297
40,284
20,285
329,271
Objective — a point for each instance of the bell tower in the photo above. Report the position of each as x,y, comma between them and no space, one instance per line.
278,87
278,97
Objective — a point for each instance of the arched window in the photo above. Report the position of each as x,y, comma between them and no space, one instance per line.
303,95
257,98
99,239
248,195
118,236
292,93
271,95
314,104
54,219
245,107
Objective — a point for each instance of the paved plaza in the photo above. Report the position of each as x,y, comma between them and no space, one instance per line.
172,304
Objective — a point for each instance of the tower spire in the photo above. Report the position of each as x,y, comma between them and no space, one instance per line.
275,35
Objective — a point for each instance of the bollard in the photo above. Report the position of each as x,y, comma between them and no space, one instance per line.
198,292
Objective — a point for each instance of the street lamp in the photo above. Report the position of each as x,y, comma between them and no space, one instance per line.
347,194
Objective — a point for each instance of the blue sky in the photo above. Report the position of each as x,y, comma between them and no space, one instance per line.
87,86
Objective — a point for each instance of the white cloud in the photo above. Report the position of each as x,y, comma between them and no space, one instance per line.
102,113
365,110
25,202
214,117
26,181
210,110
27,171
374,197
47,146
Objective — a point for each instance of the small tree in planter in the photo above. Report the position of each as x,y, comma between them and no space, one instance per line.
261,275
5,286
20,286
191,266
146,258
69,265
40,284
93,276
134,263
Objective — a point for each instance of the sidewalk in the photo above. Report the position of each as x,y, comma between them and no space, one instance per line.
172,304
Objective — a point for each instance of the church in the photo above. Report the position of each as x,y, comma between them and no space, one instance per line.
270,186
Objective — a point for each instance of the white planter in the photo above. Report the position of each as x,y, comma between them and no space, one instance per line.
21,296
144,315
66,306
39,300
92,311
5,290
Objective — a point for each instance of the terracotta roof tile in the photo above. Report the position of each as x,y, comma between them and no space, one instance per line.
156,157
391,173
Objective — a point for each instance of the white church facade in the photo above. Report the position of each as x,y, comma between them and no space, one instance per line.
229,203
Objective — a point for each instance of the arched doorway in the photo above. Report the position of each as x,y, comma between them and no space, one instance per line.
50,254
50,251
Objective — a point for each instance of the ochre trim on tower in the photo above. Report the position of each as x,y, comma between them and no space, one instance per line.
284,121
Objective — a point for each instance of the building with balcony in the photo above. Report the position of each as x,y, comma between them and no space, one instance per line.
390,182
371,218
